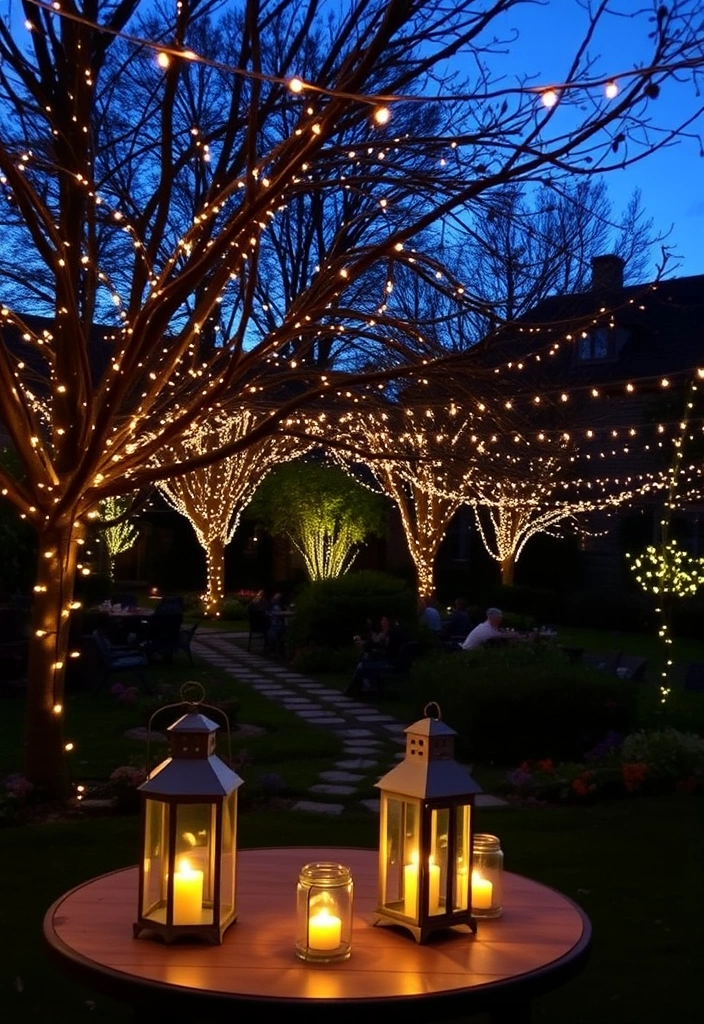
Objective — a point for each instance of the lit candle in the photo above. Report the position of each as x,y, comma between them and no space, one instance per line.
324,930
482,892
410,886
434,889
462,886
188,894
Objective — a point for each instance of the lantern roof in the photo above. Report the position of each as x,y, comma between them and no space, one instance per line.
209,777
429,770
193,722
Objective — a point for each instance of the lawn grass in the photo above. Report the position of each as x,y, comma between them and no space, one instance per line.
97,723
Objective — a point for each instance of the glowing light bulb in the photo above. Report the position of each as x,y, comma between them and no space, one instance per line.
611,90
549,98
382,115
295,85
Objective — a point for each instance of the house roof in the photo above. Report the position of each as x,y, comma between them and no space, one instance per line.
656,329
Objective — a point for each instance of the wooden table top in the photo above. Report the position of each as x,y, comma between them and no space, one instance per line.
541,939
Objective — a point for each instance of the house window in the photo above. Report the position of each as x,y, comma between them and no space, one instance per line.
594,346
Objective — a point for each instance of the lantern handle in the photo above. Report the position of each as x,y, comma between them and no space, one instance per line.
428,713
188,704
199,688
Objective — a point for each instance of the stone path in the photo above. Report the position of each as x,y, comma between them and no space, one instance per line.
371,739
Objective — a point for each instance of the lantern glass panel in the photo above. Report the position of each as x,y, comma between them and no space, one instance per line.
462,856
156,855
400,855
194,875
437,875
227,867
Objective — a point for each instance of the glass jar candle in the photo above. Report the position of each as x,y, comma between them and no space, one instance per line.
487,876
324,912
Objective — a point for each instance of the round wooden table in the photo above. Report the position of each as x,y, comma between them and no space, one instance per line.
541,940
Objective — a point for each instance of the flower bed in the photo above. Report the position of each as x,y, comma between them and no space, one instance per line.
657,762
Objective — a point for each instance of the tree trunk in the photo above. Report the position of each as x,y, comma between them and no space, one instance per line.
215,559
45,761
508,566
425,571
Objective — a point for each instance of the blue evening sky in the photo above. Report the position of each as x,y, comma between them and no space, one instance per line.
672,181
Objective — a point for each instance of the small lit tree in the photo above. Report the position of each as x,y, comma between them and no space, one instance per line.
213,496
119,534
667,572
414,452
511,510
325,513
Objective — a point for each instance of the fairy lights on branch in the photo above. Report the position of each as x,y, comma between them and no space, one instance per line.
214,496
150,201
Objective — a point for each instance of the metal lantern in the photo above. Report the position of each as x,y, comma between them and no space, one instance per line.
425,843
189,833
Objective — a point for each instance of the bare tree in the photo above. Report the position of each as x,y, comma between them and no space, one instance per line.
100,206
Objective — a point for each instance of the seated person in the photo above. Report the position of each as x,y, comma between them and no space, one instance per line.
429,615
490,629
459,621
380,651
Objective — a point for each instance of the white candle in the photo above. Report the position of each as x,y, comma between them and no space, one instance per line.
410,888
462,887
434,889
188,894
324,930
482,892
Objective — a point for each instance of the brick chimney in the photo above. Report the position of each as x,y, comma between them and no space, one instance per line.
607,273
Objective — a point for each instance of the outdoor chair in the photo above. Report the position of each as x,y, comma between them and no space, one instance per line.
608,662
119,658
169,606
163,635
184,640
632,667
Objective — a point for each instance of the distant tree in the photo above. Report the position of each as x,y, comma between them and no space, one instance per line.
539,499
324,512
119,535
213,497
523,245
418,455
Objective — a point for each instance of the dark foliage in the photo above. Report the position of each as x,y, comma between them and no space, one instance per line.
524,701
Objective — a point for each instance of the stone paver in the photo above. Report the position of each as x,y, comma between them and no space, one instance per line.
371,805
340,777
313,807
368,734
331,790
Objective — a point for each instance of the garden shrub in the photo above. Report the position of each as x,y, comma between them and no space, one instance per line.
232,609
523,701
329,613
314,660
